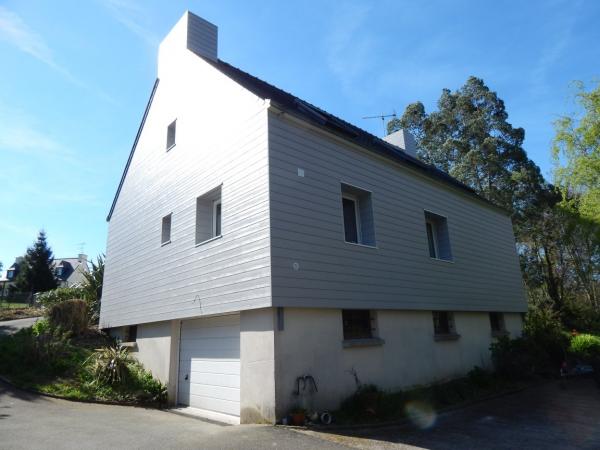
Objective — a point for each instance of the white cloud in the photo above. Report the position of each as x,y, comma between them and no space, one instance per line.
134,17
17,33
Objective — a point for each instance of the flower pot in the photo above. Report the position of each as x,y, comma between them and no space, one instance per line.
298,419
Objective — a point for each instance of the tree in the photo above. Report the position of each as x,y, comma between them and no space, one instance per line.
576,152
92,287
470,138
36,272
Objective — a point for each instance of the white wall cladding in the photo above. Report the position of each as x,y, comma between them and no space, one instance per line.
307,228
221,140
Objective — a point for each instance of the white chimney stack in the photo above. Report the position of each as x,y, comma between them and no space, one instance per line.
403,140
190,33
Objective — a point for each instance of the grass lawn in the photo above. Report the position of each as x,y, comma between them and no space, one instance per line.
18,311
13,305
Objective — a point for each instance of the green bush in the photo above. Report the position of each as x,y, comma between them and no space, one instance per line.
110,365
586,347
59,295
69,315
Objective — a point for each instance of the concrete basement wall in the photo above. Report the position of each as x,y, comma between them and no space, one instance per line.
156,349
257,389
311,344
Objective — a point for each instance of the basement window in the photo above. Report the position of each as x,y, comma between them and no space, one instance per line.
357,208
166,230
438,238
444,328
360,328
497,324
209,216
171,129
132,333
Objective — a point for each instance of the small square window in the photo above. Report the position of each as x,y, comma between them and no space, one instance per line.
171,129
357,323
357,209
443,323
209,216
166,229
438,238
497,323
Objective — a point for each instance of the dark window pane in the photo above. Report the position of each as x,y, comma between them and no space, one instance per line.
171,135
357,324
350,225
441,322
218,219
132,333
496,321
430,240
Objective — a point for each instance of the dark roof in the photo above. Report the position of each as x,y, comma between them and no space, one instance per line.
132,151
315,115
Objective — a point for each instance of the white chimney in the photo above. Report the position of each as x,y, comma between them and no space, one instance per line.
191,32
403,140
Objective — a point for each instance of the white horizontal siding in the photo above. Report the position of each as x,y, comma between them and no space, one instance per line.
307,228
221,140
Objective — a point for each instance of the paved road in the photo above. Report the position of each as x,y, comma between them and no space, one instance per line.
544,417
12,326
33,422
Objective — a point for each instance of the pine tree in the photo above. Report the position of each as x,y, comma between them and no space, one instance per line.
36,274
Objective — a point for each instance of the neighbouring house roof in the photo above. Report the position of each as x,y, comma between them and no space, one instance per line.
73,268
317,116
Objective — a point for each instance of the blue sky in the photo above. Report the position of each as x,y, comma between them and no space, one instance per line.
76,76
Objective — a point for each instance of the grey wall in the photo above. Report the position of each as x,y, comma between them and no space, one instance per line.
307,229
221,141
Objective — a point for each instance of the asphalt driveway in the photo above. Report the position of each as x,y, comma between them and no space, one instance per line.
34,422
12,326
544,417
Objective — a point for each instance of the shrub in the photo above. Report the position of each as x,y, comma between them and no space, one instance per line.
50,298
69,315
586,347
40,327
110,365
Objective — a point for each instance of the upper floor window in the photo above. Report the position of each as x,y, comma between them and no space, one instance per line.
166,230
10,274
357,208
171,131
209,216
438,238
59,271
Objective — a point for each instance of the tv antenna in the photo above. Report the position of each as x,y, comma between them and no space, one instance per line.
81,246
382,117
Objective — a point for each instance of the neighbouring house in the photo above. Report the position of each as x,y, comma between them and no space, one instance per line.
8,281
257,243
69,272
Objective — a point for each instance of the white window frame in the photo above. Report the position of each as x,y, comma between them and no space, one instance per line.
354,199
216,203
434,237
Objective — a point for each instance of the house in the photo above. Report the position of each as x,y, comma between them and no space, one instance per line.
257,243
69,272
8,281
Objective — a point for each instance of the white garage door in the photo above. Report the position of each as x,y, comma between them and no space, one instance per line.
209,364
